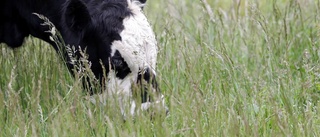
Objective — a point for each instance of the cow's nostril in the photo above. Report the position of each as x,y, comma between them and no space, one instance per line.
148,84
145,75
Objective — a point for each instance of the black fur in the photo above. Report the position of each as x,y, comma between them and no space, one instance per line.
91,24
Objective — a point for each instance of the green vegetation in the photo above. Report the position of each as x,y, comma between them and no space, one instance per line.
250,68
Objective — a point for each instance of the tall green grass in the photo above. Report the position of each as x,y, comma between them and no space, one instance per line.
243,68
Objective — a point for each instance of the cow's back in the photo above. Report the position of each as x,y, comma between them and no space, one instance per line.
19,20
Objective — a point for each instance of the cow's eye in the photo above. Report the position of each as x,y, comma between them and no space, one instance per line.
117,62
119,65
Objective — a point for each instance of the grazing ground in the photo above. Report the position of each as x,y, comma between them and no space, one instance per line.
227,68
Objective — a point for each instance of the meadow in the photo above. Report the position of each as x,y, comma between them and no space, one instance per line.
226,68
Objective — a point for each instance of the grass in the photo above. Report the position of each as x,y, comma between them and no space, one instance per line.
249,68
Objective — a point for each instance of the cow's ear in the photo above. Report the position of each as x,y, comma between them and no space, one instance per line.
76,15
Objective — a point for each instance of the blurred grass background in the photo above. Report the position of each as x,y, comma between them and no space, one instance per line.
227,68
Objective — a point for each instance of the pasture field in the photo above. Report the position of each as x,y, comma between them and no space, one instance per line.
226,68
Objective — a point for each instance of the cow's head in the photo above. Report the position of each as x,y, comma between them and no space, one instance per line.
117,33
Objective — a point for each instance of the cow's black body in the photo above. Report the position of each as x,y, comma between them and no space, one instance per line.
91,24
18,20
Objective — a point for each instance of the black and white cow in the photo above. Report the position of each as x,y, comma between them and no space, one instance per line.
114,32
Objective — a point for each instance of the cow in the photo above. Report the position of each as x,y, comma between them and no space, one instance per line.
116,35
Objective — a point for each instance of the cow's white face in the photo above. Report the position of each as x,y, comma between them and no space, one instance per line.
138,46
135,55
